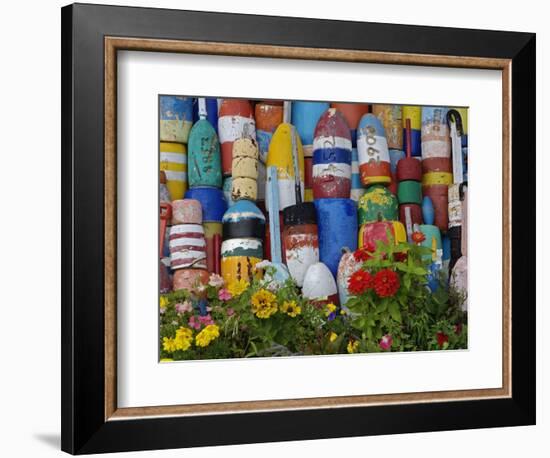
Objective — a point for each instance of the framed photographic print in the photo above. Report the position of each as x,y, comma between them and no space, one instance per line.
285,228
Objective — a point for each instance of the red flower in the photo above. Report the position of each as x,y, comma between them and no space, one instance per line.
400,257
442,338
386,283
365,253
458,328
418,237
359,282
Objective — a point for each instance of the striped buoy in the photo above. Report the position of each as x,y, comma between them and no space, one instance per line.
331,157
391,117
245,169
204,161
173,162
372,147
377,204
357,188
414,113
176,118
186,211
370,233
305,116
319,285
187,246
242,246
337,223
300,239
235,120
268,115
280,156
212,201
435,133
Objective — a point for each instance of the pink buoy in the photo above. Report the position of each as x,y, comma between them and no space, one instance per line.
186,211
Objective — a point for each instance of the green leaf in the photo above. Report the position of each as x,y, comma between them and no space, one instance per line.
394,311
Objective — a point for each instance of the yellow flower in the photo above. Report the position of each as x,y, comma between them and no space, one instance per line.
166,360
263,303
291,309
169,344
207,335
237,287
353,346
332,336
330,309
163,302
184,338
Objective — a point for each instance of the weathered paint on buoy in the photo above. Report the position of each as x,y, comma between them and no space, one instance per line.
377,204
439,195
212,201
305,116
164,193
213,238
331,157
300,239
187,246
435,133
227,189
204,160
372,147
245,169
176,118
437,178
243,219
319,285
173,162
352,112
370,233
186,211
268,115
391,117
280,156
189,279
346,268
414,114
337,225
238,257
459,279
235,120
409,168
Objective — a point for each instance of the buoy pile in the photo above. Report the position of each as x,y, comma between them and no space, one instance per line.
343,176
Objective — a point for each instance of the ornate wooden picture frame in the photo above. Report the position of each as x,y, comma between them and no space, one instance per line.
92,35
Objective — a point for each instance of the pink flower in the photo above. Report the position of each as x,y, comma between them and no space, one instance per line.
206,320
230,311
386,342
184,307
224,295
216,281
194,323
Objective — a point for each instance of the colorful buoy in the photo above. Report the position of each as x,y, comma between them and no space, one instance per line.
186,211
370,233
377,204
176,118
300,239
331,157
337,223
281,156
212,201
235,120
372,147
173,162
204,161
245,169
391,117
187,246
319,285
